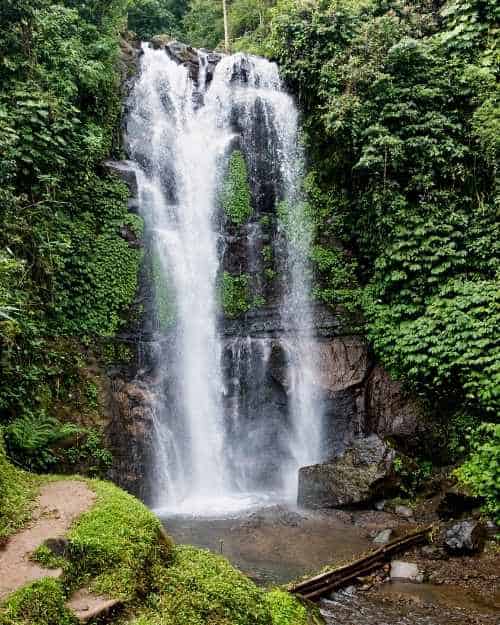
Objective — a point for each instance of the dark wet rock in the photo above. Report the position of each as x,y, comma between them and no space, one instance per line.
361,474
159,42
465,537
131,405
433,552
390,412
125,170
58,546
130,236
456,501
134,206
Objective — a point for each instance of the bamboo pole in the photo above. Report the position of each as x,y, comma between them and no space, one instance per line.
334,579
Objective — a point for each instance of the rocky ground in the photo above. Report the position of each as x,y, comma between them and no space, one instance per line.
444,586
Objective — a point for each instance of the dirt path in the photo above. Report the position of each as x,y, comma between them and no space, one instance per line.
57,506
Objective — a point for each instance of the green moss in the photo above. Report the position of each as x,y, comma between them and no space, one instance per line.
285,609
17,490
40,603
235,294
236,196
202,588
115,544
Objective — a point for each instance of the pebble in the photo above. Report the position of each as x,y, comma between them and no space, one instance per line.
383,537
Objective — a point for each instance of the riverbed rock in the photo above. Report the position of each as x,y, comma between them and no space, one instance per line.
361,474
406,571
383,537
465,537
404,511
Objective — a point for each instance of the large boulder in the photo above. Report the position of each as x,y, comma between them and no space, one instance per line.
465,537
364,472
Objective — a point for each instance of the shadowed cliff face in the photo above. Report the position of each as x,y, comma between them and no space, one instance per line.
278,358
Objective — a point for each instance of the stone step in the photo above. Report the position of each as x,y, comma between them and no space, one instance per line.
87,606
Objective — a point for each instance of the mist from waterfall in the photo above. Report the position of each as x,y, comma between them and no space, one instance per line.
180,133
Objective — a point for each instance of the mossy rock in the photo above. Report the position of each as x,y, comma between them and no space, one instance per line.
114,546
201,588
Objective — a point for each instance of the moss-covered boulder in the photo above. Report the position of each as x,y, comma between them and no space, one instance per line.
114,547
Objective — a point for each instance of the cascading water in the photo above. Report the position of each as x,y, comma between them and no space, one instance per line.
209,448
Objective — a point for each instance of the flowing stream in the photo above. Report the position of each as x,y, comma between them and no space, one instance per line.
217,445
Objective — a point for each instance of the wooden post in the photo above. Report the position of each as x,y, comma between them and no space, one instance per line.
226,27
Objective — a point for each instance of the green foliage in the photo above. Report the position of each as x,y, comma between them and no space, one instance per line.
285,609
200,587
481,471
400,119
65,269
337,277
203,24
87,454
31,440
453,343
235,294
17,490
236,196
114,545
40,603
148,18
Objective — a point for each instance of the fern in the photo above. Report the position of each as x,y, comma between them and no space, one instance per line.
31,438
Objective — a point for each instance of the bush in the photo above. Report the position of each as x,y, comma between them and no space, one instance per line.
481,471
148,18
235,293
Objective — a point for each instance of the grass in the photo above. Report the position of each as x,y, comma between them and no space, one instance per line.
17,492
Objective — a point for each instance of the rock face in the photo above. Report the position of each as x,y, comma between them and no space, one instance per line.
129,433
358,476
465,537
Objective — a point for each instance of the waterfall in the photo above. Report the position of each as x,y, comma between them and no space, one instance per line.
211,446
